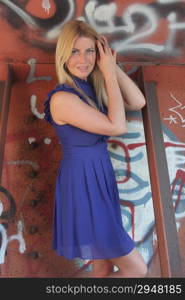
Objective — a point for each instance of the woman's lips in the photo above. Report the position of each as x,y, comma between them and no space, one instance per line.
83,69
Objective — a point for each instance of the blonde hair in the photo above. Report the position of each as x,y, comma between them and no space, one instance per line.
70,31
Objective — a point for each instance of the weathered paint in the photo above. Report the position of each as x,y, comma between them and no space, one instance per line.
147,32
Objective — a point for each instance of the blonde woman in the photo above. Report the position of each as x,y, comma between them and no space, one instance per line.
86,108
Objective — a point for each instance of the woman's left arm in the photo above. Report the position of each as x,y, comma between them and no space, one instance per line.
132,96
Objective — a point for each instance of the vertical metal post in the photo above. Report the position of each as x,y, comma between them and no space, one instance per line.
167,237
5,91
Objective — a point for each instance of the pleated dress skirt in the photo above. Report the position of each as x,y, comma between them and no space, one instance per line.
87,215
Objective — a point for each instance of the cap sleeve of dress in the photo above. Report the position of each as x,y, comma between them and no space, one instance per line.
60,87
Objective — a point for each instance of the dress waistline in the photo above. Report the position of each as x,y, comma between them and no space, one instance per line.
85,151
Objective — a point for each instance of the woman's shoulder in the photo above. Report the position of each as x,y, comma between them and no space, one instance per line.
53,94
59,89
62,87
59,96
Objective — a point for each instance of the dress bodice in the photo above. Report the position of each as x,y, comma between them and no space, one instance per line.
69,134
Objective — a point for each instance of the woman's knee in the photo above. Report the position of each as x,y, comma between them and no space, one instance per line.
137,270
101,268
142,269
131,265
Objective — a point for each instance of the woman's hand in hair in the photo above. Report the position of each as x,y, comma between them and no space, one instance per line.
106,59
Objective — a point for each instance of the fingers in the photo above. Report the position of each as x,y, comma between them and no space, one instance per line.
106,57
114,54
106,45
104,48
100,47
104,39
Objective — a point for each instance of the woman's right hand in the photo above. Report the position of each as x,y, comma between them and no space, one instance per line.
107,57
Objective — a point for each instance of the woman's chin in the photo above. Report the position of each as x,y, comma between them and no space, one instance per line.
82,76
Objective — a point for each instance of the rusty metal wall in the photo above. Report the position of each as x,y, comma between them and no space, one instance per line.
169,82
144,33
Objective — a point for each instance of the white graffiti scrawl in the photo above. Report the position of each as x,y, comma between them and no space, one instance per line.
132,29
177,110
102,17
46,5
5,239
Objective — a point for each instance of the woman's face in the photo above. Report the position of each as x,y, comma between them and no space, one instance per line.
83,57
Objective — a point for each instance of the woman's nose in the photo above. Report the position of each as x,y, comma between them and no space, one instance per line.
82,57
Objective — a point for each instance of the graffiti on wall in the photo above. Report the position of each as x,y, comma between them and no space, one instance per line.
134,29
128,155
4,238
129,158
46,5
177,112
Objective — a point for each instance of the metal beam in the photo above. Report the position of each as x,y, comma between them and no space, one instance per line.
5,91
168,244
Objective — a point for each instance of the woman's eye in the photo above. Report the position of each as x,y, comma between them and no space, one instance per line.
91,50
74,51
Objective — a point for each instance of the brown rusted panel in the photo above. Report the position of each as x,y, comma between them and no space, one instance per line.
163,263
31,158
165,78
162,197
2,86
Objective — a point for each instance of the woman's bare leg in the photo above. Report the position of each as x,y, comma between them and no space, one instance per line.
131,265
101,268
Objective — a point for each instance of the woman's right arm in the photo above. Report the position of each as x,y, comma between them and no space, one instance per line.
107,65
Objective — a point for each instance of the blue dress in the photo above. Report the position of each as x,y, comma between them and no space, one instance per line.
87,221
